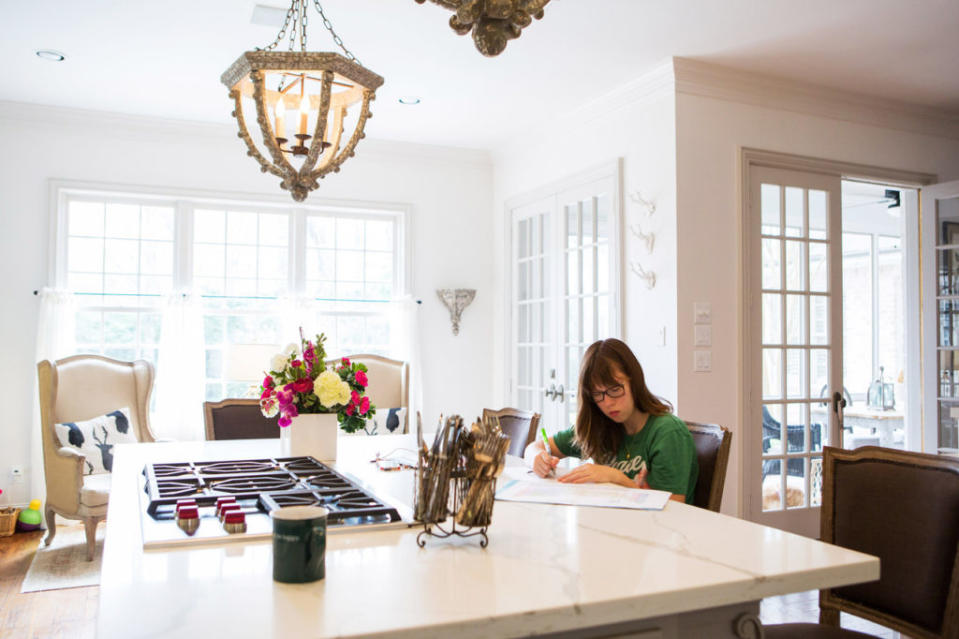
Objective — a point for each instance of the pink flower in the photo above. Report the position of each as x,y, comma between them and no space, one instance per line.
361,379
364,405
304,385
346,361
267,392
350,408
296,363
285,397
309,354
268,382
283,421
354,397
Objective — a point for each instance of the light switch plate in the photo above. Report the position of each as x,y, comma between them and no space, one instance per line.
954,412
702,361
703,335
702,313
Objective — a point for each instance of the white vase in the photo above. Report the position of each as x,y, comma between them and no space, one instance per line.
314,435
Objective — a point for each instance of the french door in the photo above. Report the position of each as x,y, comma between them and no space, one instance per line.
564,291
794,277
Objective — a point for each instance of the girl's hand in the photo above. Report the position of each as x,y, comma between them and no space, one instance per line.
544,463
592,473
640,479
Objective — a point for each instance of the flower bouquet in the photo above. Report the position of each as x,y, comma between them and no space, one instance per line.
299,383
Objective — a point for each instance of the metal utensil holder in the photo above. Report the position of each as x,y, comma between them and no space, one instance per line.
451,477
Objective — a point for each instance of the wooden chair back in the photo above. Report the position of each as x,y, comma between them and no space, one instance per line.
238,419
712,455
520,425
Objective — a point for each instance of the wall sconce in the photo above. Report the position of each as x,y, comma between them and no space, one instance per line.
456,299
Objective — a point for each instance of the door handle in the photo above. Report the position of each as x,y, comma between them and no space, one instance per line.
560,393
838,403
551,391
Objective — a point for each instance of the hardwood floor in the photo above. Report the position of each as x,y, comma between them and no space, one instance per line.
70,613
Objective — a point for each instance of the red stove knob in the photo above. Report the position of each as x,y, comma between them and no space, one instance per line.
222,501
229,508
234,521
184,503
188,519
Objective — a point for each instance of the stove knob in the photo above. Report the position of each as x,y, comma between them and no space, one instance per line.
222,501
185,503
188,519
226,509
234,522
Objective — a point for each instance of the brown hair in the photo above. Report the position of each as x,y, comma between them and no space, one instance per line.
597,435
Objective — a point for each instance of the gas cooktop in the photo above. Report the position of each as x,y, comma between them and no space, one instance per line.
182,501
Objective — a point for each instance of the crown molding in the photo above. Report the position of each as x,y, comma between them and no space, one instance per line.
656,83
125,125
694,77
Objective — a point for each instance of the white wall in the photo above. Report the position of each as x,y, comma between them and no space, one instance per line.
636,123
449,191
710,133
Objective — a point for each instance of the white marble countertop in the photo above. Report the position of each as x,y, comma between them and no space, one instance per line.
547,568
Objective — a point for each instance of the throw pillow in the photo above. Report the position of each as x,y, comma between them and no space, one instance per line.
387,421
95,438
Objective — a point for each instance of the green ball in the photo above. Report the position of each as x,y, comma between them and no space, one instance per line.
31,517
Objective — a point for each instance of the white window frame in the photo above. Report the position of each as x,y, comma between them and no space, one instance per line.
185,201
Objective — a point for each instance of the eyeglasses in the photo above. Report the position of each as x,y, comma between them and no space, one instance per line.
613,391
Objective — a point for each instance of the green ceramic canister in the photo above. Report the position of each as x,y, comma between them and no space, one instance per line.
299,544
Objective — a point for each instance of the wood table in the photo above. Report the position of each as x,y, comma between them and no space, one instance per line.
562,570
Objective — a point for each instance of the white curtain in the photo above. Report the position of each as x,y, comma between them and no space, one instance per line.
180,386
56,339
405,346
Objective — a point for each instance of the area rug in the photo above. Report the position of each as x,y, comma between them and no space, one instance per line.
63,564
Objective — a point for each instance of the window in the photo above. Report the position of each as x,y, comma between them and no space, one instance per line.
123,256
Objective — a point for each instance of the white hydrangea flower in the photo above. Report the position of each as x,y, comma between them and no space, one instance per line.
278,362
330,389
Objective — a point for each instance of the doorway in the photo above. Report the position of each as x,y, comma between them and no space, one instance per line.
834,354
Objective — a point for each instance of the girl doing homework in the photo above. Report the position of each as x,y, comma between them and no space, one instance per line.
631,436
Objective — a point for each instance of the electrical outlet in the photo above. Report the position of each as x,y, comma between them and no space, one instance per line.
702,361
703,335
17,473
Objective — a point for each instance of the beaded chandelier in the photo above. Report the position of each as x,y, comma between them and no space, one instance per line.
301,103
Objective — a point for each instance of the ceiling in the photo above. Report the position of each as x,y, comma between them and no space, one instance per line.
165,58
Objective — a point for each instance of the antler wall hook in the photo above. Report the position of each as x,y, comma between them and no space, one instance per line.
649,276
456,300
649,238
649,205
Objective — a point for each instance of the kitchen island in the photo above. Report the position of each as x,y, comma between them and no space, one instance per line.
563,570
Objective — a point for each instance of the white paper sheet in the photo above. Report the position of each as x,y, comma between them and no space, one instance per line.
518,484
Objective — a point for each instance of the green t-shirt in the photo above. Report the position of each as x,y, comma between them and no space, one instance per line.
664,447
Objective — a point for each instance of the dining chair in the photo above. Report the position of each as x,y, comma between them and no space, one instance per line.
902,507
238,418
712,455
76,389
519,425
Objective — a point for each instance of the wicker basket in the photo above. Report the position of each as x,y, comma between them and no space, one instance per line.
8,521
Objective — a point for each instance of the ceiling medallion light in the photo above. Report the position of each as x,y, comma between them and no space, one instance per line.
317,87
493,22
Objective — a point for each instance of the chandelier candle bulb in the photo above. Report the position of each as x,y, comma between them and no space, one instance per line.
279,115
304,112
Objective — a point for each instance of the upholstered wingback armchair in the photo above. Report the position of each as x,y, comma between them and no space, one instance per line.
75,389
389,381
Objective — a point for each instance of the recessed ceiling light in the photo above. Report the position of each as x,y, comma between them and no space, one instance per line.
409,100
50,54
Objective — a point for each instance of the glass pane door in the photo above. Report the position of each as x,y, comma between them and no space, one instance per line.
533,271
797,216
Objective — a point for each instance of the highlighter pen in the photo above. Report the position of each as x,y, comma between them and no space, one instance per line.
549,451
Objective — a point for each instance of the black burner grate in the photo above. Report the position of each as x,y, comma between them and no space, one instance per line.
265,485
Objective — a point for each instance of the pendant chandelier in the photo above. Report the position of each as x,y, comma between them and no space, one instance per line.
492,22
300,102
